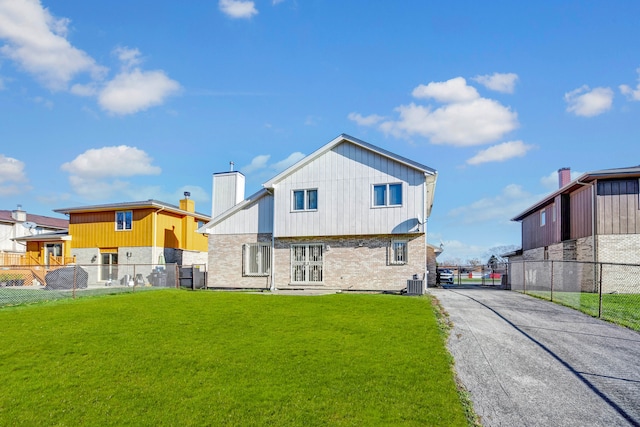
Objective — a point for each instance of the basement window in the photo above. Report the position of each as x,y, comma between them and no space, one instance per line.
399,252
257,259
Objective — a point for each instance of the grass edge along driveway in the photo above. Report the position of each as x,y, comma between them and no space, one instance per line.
212,358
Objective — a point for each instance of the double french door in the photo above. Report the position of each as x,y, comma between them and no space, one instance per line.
307,263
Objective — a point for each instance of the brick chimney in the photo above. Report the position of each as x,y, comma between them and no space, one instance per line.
564,177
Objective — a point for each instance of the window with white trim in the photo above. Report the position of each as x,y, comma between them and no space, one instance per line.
399,252
305,200
387,195
543,217
124,220
256,259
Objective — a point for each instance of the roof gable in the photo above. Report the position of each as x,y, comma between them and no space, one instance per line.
344,138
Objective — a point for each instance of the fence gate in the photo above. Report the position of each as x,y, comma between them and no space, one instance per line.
193,277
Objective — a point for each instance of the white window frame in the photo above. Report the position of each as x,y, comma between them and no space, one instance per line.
543,217
399,252
387,195
124,221
260,265
305,196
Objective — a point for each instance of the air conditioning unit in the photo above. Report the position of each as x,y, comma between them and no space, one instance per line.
415,287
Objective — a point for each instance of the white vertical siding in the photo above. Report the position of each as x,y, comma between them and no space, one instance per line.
344,178
228,190
255,218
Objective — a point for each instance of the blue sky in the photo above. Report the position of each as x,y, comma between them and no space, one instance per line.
107,101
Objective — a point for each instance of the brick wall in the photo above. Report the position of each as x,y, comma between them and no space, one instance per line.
225,262
536,254
356,262
619,248
432,267
584,249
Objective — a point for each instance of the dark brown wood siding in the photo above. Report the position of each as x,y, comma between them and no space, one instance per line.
618,211
536,235
580,212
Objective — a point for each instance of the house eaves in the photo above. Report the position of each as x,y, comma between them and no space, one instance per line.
339,140
55,236
145,204
229,212
586,178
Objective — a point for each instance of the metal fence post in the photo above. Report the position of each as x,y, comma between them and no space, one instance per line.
600,291
551,280
524,277
75,269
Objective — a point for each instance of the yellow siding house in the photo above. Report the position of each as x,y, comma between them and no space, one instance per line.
143,233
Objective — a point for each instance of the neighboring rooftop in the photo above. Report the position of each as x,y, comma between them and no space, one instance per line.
151,203
585,178
39,220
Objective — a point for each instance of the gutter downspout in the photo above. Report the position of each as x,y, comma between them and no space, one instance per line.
272,288
425,197
155,235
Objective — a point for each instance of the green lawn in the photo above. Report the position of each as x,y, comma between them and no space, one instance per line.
211,358
623,309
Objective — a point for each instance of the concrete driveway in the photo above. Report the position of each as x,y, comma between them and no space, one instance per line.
528,362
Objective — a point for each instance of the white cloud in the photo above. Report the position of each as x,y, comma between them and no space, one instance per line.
628,91
459,252
238,8
587,102
133,91
502,207
95,173
369,120
465,119
461,124
257,163
12,176
289,161
37,42
500,152
109,162
454,90
551,182
500,82
129,57
262,162
47,103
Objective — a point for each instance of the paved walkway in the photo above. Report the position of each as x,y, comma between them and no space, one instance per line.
528,362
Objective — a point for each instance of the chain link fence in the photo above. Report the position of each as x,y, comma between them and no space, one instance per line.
26,284
493,275
605,290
